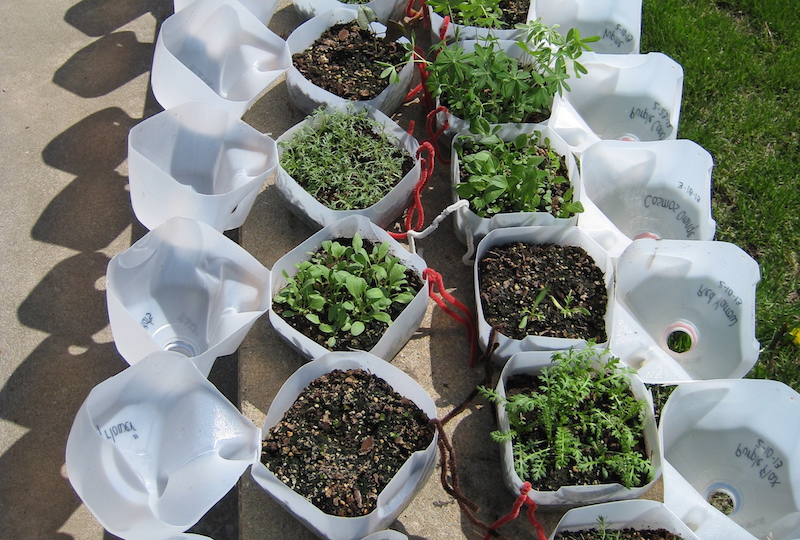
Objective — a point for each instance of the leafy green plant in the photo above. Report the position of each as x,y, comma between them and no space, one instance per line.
581,416
344,158
491,86
345,288
520,175
567,309
481,13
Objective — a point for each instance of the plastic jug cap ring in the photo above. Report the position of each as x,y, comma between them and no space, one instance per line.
680,337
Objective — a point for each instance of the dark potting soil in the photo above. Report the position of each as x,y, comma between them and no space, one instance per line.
512,276
344,61
374,329
343,439
514,11
621,534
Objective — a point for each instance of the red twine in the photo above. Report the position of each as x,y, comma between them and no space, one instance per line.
416,213
521,499
439,295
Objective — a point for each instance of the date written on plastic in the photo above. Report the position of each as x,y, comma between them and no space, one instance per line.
764,458
725,303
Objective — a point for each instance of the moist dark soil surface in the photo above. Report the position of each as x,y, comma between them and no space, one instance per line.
557,478
374,329
343,439
344,61
514,11
624,534
512,276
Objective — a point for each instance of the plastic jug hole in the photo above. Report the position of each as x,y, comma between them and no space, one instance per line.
724,498
647,235
680,337
181,346
629,138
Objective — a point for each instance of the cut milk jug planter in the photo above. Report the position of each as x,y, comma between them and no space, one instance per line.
383,9
198,162
216,52
469,223
635,97
142,482
737,441
639,514
319,213
184,287
686,310
658,190
263,10
618,23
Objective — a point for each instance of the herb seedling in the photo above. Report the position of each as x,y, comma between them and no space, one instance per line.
490,86
533,311
567,309
481,13
345,159
580,417
345,288
520,175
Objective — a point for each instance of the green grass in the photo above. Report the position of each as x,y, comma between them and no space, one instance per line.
741,102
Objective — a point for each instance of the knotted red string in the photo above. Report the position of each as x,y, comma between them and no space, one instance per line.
415,215
434,134
521,499
439,295
416,14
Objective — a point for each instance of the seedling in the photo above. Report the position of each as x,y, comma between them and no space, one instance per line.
567,309
521,175
532,311
344,158
344,288
580,417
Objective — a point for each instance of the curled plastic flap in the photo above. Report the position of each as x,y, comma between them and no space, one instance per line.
216,52
383,212
638,514
696,294
184,287
153,448
739,439
466,220
618,23
404,325
263,10
531,363
384,9
397,494
635,97
563,236
307,96
197,161
646,189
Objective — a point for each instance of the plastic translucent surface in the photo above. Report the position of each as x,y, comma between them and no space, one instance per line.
531,363
705,288
404,325
153,448
401,489
386,535
263,10
643,514
307,96
627,97
740,437
383,212
646,189
216,52
468,32
467,222
200,162
383,9
618,23
184,287
563,236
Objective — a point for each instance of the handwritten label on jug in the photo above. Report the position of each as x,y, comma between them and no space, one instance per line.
764,459
147,321
190,324
655,201
111,433
719,301
655,116
619,35
689,190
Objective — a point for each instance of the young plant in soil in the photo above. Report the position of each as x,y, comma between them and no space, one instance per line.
520,175
347,294
543,290
343,439
602,532
349,59
499,14
345,159
489,85
577,423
